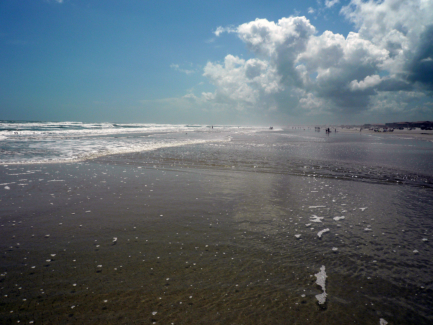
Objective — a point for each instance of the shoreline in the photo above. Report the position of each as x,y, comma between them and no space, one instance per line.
416,134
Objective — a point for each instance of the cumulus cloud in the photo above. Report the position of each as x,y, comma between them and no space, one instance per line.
368,82
244,83
387,60
420,68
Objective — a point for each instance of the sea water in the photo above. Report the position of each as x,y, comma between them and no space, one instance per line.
41,142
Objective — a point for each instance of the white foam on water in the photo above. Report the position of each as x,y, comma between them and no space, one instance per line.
39,129
85,149
339,218
362,209
321,281
315,218
316,206
382,322
298,236
50,142
321,232
7,188
321,278
321,298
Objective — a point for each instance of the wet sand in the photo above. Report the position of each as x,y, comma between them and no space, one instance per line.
418,134
98,243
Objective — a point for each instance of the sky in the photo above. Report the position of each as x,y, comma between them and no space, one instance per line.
217,62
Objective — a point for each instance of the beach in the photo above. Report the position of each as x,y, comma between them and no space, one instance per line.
222,232
418,134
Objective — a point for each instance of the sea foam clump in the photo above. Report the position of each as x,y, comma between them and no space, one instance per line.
321,232
321,281
315,218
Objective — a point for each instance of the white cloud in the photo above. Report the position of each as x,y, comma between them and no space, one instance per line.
296,69
394,25
286,37
312,104
221,30
331,3
177,68
396,102
242,82
311,10
368,82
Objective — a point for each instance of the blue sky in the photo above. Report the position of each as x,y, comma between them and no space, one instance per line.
211,62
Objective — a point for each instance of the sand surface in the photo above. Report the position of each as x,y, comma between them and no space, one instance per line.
409,134
121,240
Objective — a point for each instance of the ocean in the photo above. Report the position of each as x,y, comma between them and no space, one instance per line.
200,224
